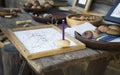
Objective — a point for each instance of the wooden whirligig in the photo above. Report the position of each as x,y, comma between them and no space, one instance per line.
63,42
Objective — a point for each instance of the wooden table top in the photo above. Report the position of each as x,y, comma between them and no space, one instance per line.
56,61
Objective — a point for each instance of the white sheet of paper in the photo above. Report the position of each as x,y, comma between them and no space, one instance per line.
40,40
116,40
116,12
84,27
70,31
82,2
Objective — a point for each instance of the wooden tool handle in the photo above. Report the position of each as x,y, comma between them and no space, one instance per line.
24,22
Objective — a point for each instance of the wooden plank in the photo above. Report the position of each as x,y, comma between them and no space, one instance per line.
22,49
106,2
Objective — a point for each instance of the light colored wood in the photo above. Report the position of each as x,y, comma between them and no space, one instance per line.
94,12
79,45
1,44
24,22
77,21
30,28
87,6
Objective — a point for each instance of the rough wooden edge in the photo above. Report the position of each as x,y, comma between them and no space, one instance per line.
77,61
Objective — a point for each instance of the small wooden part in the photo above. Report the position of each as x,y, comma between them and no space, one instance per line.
8,16
63,43
23,22
6,42
26,25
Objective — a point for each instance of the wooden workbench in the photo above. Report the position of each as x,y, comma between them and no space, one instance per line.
97,60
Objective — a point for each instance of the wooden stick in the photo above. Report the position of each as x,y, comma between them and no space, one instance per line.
24,22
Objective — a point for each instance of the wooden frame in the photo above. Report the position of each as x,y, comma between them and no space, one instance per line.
82,5
113,14
22,48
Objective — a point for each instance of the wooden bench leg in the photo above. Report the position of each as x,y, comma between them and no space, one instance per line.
10,60
13,64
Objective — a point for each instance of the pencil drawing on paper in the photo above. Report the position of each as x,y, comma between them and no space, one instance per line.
40,40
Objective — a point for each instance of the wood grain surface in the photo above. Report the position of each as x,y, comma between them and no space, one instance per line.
106,2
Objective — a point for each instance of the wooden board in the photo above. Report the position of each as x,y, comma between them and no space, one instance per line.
106,2
39,41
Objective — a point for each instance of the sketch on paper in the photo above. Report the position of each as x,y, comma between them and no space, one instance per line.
40,40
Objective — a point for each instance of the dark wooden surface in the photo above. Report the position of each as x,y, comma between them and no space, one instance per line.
10,60
106,2
2,3
59,61
1,65
95,67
